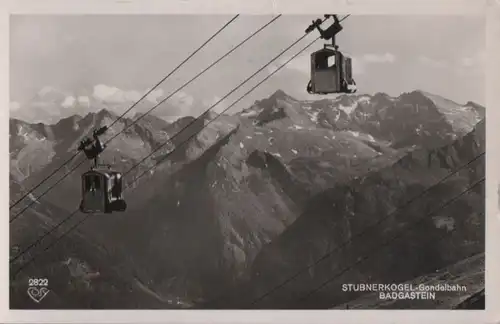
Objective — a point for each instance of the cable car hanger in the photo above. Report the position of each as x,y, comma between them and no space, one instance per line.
330,32
325,78
92,148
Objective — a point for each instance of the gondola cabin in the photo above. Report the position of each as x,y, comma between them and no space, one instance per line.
331,72
102,192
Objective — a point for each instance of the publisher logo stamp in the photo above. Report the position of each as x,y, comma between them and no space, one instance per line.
38,289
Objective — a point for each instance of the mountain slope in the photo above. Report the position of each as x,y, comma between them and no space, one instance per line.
339,214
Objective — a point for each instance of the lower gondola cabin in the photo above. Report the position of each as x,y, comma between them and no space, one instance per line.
102,192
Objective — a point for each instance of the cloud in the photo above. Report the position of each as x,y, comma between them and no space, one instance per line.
471,65
14,106
474,61
84,101
431,62
53,104
358,66
467,62
115,95
210,102
378,58
112,94
179,104
68,102
301,63
459,65
220,105
47,90
360,63
182,100
155,96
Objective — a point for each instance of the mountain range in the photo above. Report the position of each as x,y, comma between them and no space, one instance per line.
247,200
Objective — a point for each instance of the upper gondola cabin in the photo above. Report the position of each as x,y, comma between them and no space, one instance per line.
102,191
331,72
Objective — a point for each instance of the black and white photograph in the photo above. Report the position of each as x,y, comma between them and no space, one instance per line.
218,161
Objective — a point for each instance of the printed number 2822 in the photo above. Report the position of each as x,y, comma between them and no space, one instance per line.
38,282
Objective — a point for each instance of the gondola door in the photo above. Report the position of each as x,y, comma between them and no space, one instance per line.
345,64
348,70
93,193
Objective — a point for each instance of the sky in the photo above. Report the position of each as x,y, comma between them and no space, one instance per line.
116,58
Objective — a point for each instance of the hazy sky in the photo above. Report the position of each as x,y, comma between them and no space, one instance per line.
119,56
